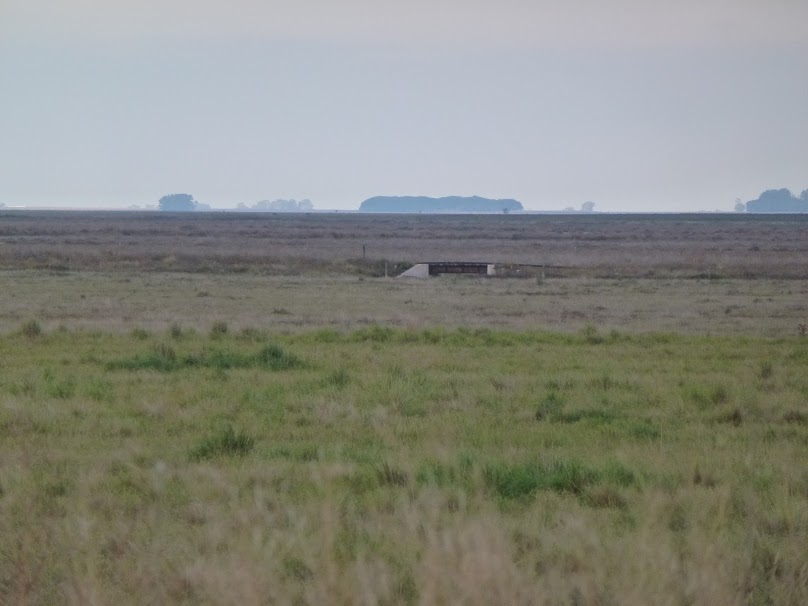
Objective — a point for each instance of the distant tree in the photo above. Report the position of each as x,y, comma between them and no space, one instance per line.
804,195
777,201
740,207
587,207
177,203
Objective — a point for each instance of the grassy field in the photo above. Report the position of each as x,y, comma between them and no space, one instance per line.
740,245
122,301
213,409
404,466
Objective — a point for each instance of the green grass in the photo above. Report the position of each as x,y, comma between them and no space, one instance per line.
402,466
223,443
164,358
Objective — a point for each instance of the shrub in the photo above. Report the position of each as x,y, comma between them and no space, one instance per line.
227,442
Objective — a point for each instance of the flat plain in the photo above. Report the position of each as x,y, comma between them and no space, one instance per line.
190,414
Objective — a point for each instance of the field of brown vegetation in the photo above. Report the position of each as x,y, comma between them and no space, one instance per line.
773,246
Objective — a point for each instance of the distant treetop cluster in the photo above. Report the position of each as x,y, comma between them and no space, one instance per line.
180,203
186,203
776,201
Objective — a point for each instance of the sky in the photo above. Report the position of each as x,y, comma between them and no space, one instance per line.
635,105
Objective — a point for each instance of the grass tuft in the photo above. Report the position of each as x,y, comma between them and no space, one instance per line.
297,569
389,475
796,416
226,442
591,335
518,481
218,329
175,331
140,334
605,497
733,417
339,379
550,406
31,329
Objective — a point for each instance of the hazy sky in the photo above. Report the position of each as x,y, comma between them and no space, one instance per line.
635,105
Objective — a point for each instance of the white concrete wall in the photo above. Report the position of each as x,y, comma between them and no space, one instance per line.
421,270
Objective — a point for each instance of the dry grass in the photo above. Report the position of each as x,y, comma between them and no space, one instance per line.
595,245
124,301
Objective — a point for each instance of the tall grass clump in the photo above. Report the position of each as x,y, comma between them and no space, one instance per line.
31,329
339,379
175,331
225,442
550,406
274,357
218,330
140,334
521,480
592,336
